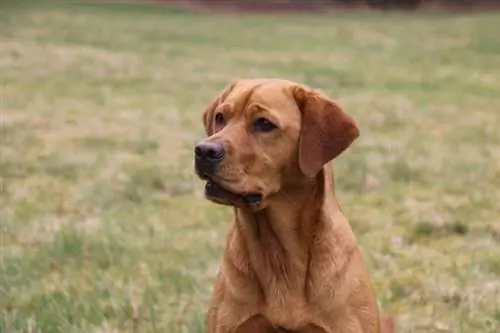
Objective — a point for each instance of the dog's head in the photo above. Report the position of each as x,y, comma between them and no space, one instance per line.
264,134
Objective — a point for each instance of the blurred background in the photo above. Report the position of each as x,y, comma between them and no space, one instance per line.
104,228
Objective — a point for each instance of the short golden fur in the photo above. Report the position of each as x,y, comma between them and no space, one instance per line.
291,262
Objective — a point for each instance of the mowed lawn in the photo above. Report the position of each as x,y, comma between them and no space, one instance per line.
104,228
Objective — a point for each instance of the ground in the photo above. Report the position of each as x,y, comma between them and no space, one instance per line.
103,224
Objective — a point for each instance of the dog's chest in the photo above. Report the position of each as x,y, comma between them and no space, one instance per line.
286,308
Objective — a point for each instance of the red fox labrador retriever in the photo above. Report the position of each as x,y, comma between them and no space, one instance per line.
291,262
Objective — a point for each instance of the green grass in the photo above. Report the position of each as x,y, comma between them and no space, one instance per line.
104,228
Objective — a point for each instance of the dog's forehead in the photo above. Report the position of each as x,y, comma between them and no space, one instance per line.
272,94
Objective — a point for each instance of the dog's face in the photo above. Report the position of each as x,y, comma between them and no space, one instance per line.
265,133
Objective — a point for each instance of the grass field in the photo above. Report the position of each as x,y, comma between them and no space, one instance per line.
104,228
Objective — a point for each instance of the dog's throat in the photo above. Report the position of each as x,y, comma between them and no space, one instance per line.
258,229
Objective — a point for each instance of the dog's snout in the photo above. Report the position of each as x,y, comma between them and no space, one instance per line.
209,151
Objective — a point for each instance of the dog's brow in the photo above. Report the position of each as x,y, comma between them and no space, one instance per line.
253,106
224,107
257,107
248,95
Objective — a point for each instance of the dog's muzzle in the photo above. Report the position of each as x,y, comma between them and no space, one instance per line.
208,157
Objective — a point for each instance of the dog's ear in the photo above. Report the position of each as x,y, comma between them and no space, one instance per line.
325,131
208,114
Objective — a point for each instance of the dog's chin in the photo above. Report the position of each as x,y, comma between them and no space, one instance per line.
223,196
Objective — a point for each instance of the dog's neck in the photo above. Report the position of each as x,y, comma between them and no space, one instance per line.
286,212
277,239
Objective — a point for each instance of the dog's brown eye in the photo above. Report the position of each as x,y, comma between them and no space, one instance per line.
263,125
219,119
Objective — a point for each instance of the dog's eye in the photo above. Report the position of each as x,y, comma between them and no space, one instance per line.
263,125
219,119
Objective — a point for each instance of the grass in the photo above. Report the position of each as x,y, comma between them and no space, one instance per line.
103,224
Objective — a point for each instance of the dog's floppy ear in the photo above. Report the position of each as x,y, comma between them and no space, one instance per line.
208,114
325,131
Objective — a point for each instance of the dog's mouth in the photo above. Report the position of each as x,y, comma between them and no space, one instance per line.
218,193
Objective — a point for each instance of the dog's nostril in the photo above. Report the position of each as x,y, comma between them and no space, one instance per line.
198,151
210,151
214,154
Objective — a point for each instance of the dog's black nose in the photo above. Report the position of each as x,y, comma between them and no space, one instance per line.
209,151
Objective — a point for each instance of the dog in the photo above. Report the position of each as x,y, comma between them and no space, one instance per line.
291,262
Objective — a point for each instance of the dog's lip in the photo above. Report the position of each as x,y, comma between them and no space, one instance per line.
214,189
